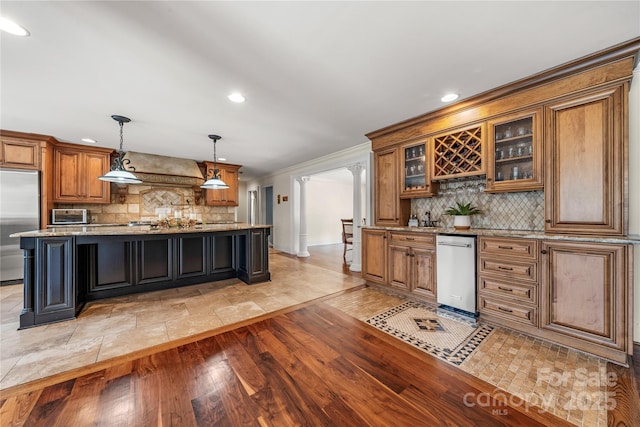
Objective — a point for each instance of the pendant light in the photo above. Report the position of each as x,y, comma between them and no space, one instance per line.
118,172
214,183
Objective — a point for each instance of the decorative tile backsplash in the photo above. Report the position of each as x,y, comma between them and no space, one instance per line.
509,211
142,201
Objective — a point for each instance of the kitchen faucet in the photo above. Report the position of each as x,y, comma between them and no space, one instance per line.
428,222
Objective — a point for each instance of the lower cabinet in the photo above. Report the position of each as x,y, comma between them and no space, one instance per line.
508,284
412,263
253,255
55,295
50,292
586,296
154,263
405,261
374,255
573,293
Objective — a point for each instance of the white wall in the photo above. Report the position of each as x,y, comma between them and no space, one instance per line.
242,210
634,190
327,202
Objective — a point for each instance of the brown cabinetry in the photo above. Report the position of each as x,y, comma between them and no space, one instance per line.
389,208
585,298
508,280
412,263
586,163
20,153
374,255
75,174
415,176
229,175
514,155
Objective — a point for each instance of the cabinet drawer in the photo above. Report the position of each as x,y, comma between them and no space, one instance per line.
521,248
510,269
527,293
413,239
508,310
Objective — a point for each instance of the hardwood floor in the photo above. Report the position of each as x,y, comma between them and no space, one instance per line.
313,366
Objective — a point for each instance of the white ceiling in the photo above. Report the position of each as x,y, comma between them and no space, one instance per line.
317,75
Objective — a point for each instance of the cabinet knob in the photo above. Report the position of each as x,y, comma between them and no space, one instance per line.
489,179
543,252
548,221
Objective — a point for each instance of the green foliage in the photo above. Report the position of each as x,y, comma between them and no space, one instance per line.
462,209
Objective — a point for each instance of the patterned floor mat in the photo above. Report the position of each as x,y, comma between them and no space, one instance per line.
441,333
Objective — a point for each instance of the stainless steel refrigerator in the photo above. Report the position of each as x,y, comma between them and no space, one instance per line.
19,211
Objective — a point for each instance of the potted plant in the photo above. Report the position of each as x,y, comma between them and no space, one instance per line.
462,215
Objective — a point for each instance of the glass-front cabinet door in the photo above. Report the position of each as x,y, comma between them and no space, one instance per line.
415,179
514,153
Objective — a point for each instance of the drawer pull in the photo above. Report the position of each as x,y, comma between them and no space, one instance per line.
505,309
505,289
410,238
505,268
505,247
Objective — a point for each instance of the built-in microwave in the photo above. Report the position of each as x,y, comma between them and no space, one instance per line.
69,216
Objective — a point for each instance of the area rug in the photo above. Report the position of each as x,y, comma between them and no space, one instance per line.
449,336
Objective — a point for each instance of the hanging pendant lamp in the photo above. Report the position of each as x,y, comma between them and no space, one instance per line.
214,183
119,172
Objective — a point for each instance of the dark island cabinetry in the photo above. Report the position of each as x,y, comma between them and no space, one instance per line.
62,273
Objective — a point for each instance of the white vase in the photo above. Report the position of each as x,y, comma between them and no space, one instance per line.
462,222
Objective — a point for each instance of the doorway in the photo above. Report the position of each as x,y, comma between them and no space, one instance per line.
268,210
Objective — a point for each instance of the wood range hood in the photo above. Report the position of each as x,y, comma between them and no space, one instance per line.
154,169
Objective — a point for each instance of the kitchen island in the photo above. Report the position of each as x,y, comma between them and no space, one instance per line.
65,267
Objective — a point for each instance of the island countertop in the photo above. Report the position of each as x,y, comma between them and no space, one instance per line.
124,229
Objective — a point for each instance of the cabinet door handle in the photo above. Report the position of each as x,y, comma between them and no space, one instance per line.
410,238
505,289
543,252
548,221
505,309
505,247
505,268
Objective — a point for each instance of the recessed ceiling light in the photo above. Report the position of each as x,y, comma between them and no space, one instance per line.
89,140
12,28
449,97
236,97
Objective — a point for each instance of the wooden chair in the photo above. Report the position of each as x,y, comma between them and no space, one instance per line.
347,236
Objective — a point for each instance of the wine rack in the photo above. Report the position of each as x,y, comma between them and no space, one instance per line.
459,153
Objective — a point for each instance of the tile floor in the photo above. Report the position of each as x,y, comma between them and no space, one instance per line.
118,326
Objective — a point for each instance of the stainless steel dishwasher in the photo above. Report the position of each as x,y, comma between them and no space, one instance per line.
456,272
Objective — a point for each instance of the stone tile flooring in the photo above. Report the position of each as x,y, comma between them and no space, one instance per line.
118,326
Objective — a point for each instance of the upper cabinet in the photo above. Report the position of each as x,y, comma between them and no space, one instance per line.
389,208
586,163
229,175
416,180
514,152
76,169
459,153
20,153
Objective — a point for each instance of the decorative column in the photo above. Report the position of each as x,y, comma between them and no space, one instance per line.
302,250
356,170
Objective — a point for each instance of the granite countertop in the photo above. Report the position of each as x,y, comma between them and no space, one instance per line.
120,230
528,234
